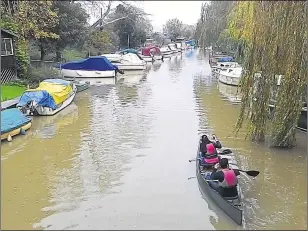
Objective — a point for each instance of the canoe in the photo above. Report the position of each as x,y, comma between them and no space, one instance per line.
13,122
233,207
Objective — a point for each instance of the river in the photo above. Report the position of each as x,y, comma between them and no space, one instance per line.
117,158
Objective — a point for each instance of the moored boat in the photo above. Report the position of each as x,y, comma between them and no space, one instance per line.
165,50
150,53
172,47
13,122
223,66
49,98
232,206
126,60
81,85
230,76
92,67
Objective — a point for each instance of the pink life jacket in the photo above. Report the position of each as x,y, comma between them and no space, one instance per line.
230,179
211,156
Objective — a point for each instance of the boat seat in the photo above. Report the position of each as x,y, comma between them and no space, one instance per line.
231,198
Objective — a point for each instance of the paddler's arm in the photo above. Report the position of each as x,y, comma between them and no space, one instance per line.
217,144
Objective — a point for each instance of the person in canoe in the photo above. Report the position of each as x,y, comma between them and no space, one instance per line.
227,179
208,150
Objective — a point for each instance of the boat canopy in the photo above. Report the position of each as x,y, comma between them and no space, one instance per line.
190,42
225,59
95,63
41,97
50,93
147,51
12,119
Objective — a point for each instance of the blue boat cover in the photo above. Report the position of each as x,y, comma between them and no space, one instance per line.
58,81
95,63
190,42
12,119
41,97
225,59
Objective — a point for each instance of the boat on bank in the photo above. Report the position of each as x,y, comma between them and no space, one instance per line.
92,67
126,61
52,96
14,122
230,76
232,206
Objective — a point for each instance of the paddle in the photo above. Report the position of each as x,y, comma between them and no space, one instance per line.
252,173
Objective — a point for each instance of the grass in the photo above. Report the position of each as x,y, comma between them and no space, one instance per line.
10,92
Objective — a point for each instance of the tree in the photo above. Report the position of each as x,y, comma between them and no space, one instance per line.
98,42
173,28
132,30
30,21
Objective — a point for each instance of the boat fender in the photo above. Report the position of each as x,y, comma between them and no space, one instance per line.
9,138
22,131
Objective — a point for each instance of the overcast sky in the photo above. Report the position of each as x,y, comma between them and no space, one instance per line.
186,11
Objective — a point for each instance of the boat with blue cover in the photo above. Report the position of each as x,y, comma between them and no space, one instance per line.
92,67
13,122
49,98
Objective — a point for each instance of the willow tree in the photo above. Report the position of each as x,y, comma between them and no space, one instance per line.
276,44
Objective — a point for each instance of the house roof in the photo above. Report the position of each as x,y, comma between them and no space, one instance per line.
8,32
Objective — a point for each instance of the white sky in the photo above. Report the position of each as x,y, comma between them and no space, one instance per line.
186,11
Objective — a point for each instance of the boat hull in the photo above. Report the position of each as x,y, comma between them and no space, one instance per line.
233,208
16,131
87,74
131,67
229,80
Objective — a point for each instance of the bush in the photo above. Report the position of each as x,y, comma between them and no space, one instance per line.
38,74
73,54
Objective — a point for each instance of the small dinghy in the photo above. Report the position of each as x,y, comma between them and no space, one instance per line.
13,122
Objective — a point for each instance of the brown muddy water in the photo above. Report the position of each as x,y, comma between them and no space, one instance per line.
117,158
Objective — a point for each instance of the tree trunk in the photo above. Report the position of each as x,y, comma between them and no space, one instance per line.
42,52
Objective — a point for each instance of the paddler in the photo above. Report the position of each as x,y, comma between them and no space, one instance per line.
227,179
208,150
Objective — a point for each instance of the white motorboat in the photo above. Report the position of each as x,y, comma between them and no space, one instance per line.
224,66
128,61
172,47
230,76
179,46
92,67
166,51
52,96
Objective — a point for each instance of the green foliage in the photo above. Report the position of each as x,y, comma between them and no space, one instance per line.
44,72
73,54
98,42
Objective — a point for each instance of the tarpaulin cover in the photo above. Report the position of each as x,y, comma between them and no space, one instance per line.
12,119
58,81
146,51
95,63
48,94
42,98
225,59
59,92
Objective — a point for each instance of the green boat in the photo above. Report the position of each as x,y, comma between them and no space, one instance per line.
81,85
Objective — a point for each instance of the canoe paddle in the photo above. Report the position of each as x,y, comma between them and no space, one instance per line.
252,173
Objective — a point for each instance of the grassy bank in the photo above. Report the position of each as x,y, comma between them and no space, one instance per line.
10,92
